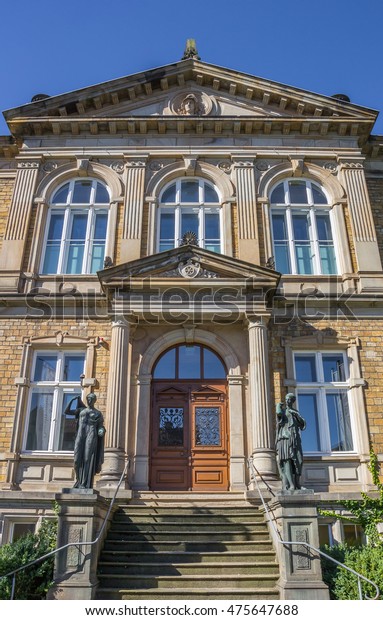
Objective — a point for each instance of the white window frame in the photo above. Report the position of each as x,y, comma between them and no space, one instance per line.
59,389
69,209
289,209
321,388
178,208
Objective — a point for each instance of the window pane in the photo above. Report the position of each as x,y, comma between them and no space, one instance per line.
190,223
324,227
51,259
308,409
100,226
279,227
305,368
98,255
169,194
189,191
61,196
167,228
81,193
298,192
102,195
45,369
353,535
282,257
73,367
333,368
189,362
210,194
327,259
166,366
207,426
339,421
278,195
75,258
67,424
301,227
318,196
212,366
303,258
79,224
56,226
324,534
171,428
40,421
212,226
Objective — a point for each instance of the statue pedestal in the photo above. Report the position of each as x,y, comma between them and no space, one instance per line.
80,518
295,516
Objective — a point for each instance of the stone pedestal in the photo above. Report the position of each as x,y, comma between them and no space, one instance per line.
295,516
80,519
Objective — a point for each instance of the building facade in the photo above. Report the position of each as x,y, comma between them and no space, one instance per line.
190,243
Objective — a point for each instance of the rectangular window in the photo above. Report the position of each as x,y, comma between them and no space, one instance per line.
55,381
322,400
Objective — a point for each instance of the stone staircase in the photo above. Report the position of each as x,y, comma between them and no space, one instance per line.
188,547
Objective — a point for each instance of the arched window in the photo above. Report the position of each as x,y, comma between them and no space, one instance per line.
302,229
189,205
189,362
76,228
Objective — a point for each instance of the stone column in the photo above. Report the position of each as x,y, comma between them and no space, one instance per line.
363,229
248,243
15,236
141,457
134,206
237,447
260,400
116,404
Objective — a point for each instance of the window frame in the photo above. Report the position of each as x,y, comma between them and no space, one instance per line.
59,388
69,209
289,209
321,388
179,207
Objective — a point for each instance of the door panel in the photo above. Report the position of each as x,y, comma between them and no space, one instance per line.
189,438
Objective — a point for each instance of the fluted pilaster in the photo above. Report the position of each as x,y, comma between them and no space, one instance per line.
367,252
247,209
134,207
261,414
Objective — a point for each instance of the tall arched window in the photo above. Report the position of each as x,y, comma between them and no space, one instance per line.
76,228
302,229
189,205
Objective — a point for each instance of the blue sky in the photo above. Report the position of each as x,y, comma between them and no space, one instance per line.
326,46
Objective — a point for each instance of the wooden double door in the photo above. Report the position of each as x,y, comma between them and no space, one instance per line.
189,436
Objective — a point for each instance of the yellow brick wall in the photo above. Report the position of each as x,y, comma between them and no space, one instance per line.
375,190
12,333
6,189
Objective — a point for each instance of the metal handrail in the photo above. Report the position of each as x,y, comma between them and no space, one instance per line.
74,544
279,540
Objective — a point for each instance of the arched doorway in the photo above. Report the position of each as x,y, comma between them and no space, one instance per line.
189,428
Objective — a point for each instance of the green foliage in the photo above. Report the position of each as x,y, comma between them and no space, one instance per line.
343,585
368,511
33,582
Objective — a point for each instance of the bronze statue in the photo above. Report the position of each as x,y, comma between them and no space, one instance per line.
89,441
289,444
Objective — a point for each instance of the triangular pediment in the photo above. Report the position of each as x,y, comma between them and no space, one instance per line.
189,264
189,88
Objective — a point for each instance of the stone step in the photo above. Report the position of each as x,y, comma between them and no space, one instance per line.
196,546
109,569
181,527
187,536
235,581
187,594
183,557
192,517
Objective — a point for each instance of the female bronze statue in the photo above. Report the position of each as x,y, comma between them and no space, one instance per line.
89,441
289,444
